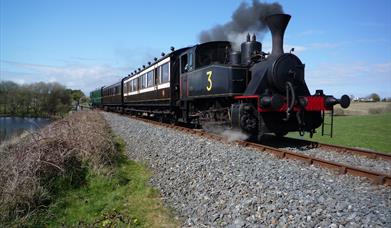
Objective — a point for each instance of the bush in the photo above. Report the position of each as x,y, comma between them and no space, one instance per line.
35,167
338,111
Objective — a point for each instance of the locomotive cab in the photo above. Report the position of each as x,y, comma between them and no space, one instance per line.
205,72
208,82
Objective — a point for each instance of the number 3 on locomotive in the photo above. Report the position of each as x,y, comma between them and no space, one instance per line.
209,86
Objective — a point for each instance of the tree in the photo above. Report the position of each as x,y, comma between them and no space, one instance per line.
76,95
58,99
38,99
375,97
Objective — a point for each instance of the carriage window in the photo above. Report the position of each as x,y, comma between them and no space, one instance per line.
144,80
150,78
157,76
135,84
165,73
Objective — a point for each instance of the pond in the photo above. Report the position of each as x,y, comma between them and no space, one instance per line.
13,126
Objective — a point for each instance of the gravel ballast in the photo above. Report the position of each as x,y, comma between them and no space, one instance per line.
214,184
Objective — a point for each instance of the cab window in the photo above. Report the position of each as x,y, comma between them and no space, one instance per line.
190,62
184,64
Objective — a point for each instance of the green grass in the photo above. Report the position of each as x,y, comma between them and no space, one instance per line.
122,197
369,132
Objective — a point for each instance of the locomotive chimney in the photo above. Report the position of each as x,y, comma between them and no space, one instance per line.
277,24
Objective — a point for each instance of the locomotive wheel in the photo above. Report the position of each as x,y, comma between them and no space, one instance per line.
248,119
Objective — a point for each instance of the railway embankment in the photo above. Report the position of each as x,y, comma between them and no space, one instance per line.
210,183
73,173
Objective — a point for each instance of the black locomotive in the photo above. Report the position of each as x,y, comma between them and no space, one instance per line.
249,90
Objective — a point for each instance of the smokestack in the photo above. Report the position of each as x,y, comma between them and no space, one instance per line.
277,24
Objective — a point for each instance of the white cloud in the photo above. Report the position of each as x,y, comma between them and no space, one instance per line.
75,76
359,78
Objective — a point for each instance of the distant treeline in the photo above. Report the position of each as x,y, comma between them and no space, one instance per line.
37,99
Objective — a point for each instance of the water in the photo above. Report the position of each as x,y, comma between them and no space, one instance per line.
13,126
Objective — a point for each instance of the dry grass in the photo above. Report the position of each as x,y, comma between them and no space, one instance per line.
363,108
31,166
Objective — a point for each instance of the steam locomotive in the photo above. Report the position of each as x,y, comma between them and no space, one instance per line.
249,90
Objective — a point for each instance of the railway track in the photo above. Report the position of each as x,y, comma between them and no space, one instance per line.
374,176
336,148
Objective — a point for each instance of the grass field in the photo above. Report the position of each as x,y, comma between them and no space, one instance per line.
124,198
369,132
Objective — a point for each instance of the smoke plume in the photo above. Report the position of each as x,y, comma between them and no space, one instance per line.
246,18
229,134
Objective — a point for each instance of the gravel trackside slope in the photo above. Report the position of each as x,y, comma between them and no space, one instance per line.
214,184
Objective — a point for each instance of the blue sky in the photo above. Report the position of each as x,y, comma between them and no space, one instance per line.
346,45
